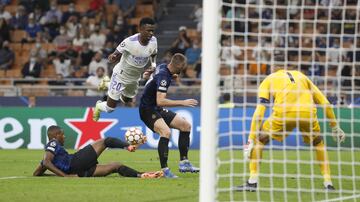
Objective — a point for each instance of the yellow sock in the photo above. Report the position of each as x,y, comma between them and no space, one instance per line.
322,157
255,158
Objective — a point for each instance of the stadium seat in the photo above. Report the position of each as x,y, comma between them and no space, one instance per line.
76,93
49,47
17,35
82,8
134,21
2,73
111,9
256,69
110,18
11,9
14,2
48,72
13,73
15,46
64,8
26,48
21,60
41,91
240,69
144,11
83,2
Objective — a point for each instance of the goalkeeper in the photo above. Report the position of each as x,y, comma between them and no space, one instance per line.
294,106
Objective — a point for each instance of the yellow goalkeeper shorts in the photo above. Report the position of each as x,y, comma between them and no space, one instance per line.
279,126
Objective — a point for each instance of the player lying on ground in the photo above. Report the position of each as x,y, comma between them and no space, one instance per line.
134,54
84,162
160,120
294,105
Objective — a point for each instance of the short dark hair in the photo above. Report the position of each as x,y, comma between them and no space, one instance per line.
52,131
147,21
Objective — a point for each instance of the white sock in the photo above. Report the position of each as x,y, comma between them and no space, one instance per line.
252,180
104,108
326,183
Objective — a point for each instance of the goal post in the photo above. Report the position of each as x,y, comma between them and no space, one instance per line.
209,101
241,41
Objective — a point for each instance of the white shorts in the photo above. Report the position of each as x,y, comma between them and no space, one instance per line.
117,88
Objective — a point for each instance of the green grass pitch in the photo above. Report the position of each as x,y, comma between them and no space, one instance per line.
113,188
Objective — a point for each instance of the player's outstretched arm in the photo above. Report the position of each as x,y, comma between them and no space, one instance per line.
162,101
319,98
153,61
256,123
39,171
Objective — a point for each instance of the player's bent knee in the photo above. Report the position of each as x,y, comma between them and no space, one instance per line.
186,126
165,133
264,139
317,140
125,99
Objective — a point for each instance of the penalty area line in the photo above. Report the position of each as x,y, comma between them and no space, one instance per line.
343,198
13,177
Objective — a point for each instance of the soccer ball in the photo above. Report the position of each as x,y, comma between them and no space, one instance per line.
134,136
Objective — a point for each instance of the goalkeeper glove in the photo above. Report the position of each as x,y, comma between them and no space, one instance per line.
248,148
338,134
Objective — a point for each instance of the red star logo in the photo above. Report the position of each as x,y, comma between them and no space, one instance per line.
88,130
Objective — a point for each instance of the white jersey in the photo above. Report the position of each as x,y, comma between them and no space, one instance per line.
134,58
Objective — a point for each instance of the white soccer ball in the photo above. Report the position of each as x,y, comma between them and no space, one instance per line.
134,136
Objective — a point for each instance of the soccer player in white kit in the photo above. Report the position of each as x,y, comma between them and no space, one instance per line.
134,53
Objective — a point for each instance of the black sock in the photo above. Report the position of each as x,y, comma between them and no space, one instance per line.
163,149
112,142
128,172
184,143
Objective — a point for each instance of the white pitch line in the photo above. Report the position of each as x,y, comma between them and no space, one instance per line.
13,177
342,198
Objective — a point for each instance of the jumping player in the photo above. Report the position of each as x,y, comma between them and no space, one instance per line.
160,120
84,162
134,53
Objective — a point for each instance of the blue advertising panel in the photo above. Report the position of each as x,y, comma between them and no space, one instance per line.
234,125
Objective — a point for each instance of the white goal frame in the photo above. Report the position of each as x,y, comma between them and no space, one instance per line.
209,99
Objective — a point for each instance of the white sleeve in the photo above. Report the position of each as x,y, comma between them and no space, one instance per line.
123,46
88,80
155,49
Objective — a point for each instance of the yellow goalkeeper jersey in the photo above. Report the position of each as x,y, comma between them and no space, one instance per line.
291,91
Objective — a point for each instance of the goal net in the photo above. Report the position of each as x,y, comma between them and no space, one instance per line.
321,39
